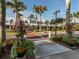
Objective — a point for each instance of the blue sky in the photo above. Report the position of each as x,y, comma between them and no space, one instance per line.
52,5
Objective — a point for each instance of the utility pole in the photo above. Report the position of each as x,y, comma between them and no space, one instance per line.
56,13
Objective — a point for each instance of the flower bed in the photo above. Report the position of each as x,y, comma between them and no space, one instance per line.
65,41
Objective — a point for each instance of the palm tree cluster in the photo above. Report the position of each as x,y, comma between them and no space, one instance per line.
17,6
39,10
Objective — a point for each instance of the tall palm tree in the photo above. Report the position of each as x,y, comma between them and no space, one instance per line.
3,19
17,6
0,11
39,10
0,18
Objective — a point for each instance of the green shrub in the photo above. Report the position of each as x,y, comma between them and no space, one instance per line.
65,39
52,38
77,38
30,46
58,38
70,41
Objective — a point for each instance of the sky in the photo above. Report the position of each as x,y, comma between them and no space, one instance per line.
52,6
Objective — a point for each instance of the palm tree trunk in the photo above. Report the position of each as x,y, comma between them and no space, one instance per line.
36,22
3,20
30,24
56,26
68,24
16,15
40,23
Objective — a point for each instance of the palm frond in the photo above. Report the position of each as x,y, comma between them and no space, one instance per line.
21,5
10,4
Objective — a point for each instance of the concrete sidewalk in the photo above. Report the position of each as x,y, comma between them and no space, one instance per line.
46,48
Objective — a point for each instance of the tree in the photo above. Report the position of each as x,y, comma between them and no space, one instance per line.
31,17
68,26
39,10
17,6
0,11
75,14
56,22
46,22
52,21
60,20
3,19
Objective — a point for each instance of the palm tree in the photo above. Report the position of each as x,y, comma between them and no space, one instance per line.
0,19
47,22
30,17
39,10
3,3
60,20
75,14
17,6
52,21
0,11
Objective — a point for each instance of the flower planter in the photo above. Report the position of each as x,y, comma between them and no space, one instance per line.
20,52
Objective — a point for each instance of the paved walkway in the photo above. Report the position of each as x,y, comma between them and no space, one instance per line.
66,55
35,36
47,50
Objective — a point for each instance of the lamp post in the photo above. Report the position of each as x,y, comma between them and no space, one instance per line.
56,13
